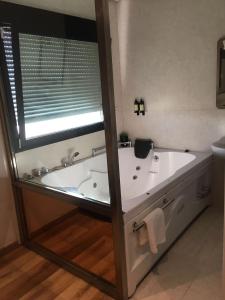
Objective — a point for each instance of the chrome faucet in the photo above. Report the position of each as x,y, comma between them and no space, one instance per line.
40,172
152,145
66,162
75,154
152,152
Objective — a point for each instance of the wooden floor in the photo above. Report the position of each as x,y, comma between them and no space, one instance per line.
191,270
85,240
25,275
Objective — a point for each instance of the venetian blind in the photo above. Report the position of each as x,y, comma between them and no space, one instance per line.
6,36
60,77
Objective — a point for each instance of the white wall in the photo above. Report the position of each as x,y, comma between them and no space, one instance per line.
116,65
168,56
79,8
8,225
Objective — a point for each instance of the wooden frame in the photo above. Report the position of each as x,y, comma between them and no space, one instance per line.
115,211
220,95
103,27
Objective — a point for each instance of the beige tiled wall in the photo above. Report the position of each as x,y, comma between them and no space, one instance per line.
168,54
51,155
116,65
8,225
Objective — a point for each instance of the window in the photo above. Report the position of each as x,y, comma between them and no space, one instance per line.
55,84
61,84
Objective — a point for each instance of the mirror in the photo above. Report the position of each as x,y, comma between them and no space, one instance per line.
56,101
220,96
52,79
78,236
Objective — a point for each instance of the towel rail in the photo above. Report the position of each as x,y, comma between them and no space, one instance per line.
137,226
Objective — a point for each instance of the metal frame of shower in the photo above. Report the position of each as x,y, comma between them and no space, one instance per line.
113,212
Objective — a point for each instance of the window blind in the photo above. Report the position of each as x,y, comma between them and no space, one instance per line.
7,44
60,77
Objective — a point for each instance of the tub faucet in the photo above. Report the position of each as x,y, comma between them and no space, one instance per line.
72,158
69,161
75,154
152,145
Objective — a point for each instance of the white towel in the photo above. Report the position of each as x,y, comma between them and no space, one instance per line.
142,236
156,229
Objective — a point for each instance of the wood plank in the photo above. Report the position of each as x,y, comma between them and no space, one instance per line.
84,240
27,280
25,275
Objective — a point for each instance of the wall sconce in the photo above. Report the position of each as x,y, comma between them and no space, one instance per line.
139,106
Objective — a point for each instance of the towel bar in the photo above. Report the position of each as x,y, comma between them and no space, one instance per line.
137,226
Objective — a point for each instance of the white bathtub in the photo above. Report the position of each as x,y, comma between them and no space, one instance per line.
181,179
149,172
138,177
88,178
177,182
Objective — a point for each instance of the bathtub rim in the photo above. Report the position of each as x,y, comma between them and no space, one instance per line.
140,203
134,206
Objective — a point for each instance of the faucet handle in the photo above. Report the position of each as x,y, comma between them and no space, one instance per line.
75,154
64,162
44,170
36,172
40,172
27,176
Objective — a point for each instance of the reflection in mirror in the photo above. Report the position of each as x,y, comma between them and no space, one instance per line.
78,236
55,87
75,167
54,96
61,84
220,99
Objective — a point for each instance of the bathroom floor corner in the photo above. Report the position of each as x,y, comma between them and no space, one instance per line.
192,268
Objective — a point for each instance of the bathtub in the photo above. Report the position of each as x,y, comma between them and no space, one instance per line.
176,181
88,179
139,177
144,180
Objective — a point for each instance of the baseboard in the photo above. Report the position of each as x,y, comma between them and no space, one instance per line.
53,223
9,248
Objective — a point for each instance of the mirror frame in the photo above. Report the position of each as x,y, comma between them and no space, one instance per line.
220,101
105,53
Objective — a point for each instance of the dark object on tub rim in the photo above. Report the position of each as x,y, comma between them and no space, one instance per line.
142,148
